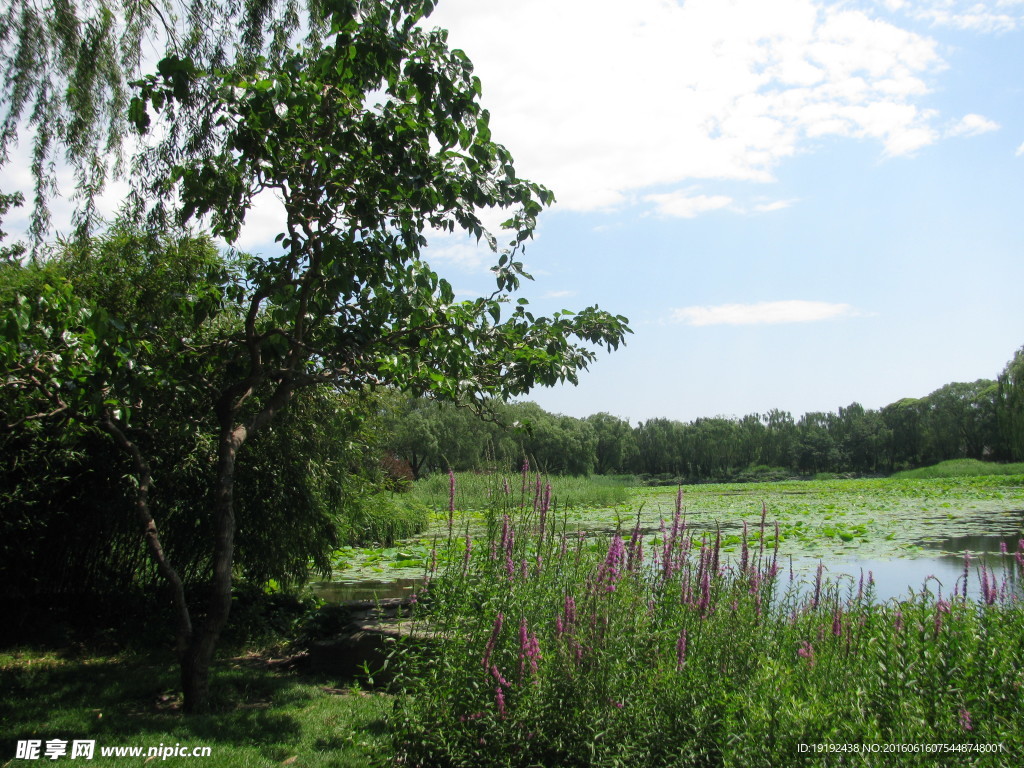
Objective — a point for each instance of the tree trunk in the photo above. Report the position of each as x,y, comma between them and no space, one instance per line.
144,482
195,662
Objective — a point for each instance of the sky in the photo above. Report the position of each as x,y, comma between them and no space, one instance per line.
797,204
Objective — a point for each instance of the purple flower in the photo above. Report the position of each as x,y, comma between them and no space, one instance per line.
837,623
965,719
705,592
817,586
569,611
451,493
529,649
492,641
499,700
744,552
806,651
681,650
610,570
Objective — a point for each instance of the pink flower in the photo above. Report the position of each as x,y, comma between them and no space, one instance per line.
681,650
806,651
493,640
610,570
569,611
817,586
499,700
941,607
965,719
529,649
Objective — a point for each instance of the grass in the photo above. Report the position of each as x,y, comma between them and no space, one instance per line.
479,491
962,468
552,649
261,715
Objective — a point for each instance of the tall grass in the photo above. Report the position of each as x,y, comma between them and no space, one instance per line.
961,468
552,649
481,491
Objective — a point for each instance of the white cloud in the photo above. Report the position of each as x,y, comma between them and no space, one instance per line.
681,205
777,205
464,255
762,313
265,221
993,16
973,125
611,98
1020,150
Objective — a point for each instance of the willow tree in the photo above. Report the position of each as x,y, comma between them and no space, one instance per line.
369,139
66,69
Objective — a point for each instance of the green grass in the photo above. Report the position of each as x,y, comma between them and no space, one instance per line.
478,491
962,468
260,716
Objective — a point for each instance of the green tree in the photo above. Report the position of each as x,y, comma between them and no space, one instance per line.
66,70
1010,407
64,489
615,446
369,141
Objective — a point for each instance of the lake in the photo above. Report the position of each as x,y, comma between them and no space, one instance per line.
902,531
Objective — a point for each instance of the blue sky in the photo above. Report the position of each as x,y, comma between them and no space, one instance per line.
797,204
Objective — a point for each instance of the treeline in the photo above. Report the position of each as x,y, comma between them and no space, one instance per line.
978,420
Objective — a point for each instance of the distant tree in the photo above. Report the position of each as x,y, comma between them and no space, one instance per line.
779,438
905,422
1010,407
615,447
961,420
816,447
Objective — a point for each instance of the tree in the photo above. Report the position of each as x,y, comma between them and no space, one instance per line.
66,70
348,303
1010,407
615,446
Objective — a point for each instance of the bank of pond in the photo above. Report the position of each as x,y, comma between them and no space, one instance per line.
715,625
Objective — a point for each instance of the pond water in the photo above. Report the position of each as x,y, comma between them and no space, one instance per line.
902,533
366,589
940,562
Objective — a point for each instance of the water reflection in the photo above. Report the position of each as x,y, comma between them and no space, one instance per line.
902,577
348,591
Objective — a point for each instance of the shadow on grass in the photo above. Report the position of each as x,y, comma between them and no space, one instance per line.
132,700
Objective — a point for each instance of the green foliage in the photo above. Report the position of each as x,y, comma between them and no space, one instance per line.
482,491
65,72
384,518
962,468
547,650
66,489
1010,408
